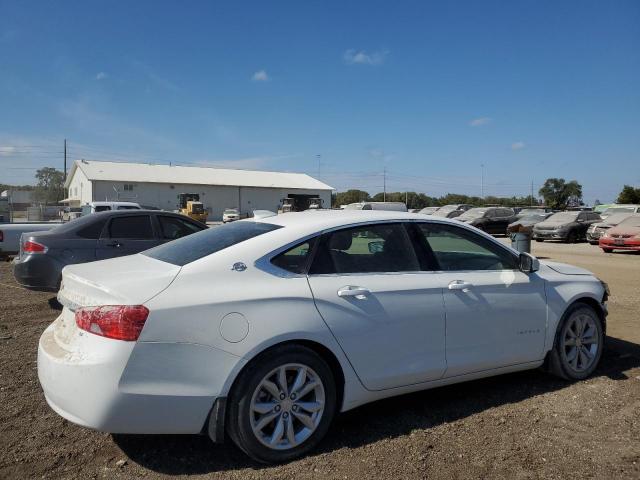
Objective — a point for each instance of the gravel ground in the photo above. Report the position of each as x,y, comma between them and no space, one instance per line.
524,425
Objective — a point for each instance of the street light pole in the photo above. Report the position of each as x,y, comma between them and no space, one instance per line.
482,181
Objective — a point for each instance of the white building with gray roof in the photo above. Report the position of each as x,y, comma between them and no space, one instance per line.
219,188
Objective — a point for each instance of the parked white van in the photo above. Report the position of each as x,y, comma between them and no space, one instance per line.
95,207
389,206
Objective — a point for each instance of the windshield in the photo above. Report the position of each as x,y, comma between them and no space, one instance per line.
563,217
193,247
428,210
473,213
633,221
533,218
197,208
231,210
612,210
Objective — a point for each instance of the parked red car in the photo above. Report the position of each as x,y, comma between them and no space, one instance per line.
624,236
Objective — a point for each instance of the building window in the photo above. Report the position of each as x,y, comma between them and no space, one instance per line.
128,187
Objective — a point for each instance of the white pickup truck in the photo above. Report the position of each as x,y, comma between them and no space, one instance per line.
10,235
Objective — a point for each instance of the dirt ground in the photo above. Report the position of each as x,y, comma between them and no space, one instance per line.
524,425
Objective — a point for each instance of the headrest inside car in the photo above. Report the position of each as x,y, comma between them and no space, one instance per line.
340,241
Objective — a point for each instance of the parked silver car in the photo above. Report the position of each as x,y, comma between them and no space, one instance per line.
598,229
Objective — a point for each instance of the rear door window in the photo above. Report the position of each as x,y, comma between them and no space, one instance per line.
134,227
366,249
102,208
93,230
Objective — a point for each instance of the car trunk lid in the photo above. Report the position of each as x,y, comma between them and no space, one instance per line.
130,280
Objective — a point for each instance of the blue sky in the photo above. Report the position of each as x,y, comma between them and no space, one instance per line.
429,91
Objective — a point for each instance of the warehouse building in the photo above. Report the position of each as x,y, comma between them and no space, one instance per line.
219,188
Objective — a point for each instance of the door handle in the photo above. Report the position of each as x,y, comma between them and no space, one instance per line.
115,244
353,291
460,285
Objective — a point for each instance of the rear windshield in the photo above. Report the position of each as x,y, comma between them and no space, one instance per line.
193,247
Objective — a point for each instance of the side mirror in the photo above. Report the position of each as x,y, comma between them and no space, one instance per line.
528,263
376,247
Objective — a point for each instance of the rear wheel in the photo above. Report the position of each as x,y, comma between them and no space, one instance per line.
578,344
607,250
282,404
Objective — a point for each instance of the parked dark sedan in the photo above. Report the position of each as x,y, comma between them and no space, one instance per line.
569,227
492,220
98,236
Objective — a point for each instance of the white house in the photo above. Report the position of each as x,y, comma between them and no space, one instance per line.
160,185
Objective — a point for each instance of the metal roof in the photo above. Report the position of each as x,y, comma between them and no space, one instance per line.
150,173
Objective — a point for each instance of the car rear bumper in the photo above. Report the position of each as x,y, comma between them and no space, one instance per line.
549,235
38,272
110,386
626,244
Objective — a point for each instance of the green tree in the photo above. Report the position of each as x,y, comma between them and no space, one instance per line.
50,187
629,195
350,196
560,194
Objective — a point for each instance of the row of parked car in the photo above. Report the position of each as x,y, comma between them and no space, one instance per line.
617,227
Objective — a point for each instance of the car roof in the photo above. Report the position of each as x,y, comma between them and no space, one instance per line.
96,204
316,220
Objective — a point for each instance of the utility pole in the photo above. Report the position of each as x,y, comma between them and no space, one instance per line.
482,181
384,184
406,199
318,156
64,190
65,159
532,193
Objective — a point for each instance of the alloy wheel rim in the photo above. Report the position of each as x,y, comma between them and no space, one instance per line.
287,406
580,342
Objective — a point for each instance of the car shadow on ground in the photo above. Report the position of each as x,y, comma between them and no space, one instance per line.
191,454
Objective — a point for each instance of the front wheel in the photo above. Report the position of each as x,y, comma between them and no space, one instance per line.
540,240
607,250
578,344
572,237
282,404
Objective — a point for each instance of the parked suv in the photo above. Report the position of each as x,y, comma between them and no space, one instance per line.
492,220
99,236
569,227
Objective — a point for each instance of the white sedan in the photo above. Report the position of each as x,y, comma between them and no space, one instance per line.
265,329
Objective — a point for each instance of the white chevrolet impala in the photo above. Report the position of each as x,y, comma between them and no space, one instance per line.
265,329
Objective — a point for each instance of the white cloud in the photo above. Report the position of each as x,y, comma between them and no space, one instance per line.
517,146
101,76
352,57
260,76
480,121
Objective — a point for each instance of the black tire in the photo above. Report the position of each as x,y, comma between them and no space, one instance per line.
558,364
540,240
238,421
607,250
572,237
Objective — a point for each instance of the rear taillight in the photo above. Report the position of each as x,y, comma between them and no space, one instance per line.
121,322
33,247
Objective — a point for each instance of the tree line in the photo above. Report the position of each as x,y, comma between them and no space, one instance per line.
555,193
